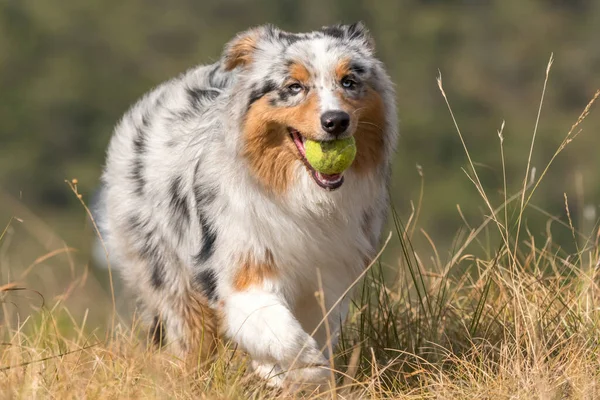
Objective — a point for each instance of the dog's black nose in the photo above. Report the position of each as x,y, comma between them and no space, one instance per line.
335,122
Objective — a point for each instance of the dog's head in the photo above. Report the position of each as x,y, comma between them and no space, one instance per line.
321,85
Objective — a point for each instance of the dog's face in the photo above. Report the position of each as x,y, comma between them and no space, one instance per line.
317,86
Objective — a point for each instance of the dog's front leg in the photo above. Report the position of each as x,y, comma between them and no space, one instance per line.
260,321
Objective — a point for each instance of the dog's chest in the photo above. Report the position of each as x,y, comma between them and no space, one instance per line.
309,241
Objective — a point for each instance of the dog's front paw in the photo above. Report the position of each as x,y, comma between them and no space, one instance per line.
308,379
271,373
309,354
309,372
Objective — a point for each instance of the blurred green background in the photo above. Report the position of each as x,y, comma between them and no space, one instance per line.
70,68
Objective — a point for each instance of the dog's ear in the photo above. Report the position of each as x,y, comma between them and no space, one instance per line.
359,31
356,32
240,50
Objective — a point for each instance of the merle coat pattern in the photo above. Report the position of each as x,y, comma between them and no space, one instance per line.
215,219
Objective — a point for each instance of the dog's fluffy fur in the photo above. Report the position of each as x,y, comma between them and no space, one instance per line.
217,222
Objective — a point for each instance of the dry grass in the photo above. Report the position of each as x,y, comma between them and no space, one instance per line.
505,317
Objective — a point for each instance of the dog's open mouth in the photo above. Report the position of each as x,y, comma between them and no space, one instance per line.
329,182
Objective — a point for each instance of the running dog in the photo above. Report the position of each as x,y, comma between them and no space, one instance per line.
219,225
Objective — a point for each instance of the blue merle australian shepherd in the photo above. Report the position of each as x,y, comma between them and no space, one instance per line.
219,225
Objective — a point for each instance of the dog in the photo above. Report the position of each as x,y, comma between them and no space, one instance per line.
218,223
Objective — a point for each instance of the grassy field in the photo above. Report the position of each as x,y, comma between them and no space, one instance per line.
506,313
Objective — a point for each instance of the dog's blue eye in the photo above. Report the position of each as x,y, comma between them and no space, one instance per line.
348,83
295,88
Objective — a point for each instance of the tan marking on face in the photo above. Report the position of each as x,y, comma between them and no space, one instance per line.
253,273
342,69
299,73
268,147
367,114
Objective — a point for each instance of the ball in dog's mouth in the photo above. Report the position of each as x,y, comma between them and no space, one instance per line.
328,182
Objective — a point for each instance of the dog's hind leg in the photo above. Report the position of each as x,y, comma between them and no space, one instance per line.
187,327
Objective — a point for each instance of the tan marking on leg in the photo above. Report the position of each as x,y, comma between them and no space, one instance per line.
253,273
200,330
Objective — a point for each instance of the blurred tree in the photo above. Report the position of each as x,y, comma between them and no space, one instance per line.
69,69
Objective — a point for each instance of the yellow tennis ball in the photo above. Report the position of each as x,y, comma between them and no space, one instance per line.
331,157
